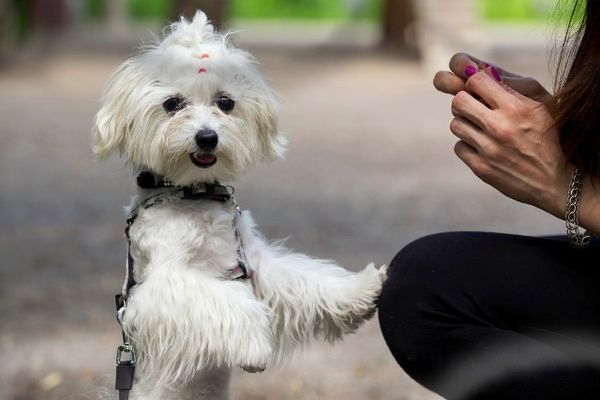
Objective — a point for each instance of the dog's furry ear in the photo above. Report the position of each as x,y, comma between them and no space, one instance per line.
113,120
266,114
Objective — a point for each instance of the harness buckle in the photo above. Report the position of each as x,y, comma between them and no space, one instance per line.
126,348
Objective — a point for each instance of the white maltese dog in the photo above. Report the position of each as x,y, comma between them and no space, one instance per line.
204,291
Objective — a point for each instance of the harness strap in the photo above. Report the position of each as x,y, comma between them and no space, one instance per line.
212,192
242,261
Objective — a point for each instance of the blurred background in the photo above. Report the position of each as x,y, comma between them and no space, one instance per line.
370,167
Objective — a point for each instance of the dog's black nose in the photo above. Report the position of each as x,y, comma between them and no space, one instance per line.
207,139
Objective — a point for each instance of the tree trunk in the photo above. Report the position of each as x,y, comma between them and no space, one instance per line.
215,10
398,24
49,16
6,39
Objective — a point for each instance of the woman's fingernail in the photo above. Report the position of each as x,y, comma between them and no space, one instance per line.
495,74
470,70
486,65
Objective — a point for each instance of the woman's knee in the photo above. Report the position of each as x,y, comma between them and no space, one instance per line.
410,299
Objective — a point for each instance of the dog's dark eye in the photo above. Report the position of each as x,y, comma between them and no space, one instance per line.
225,104
173,104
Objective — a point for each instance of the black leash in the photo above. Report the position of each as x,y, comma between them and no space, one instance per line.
126,356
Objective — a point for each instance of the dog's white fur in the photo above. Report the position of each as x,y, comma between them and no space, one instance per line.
191,324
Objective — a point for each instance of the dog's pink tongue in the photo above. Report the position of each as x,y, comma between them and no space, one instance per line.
205,158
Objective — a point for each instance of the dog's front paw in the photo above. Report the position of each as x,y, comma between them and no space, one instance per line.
383,272
372,280
254,368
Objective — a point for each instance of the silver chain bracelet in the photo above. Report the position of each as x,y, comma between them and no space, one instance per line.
576,238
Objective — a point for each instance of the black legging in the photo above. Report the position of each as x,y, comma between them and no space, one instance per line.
495,316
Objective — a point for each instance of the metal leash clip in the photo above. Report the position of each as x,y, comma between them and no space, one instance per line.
126,347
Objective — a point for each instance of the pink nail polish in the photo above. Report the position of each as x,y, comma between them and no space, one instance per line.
496,75
486,65
470,70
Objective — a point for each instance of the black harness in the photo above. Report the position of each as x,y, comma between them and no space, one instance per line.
126,356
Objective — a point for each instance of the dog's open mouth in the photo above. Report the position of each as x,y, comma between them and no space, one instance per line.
203,159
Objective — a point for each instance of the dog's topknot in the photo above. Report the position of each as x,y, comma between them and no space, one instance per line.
189,33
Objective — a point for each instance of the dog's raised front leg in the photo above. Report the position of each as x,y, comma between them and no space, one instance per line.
309,297
182,321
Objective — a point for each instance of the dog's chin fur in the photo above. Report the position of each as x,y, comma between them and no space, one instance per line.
188,321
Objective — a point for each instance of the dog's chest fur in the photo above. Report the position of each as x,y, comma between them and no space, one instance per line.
196,234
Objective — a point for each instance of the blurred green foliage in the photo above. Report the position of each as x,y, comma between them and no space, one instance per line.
259,9
95,8
22,23
491,10
138,9
306,9
149,9
526,10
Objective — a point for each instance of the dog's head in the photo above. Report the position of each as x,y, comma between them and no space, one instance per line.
191,108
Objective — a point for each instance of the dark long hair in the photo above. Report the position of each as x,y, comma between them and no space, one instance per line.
577,97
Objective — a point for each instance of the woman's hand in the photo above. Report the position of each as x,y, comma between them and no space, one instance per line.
463,65
507,139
